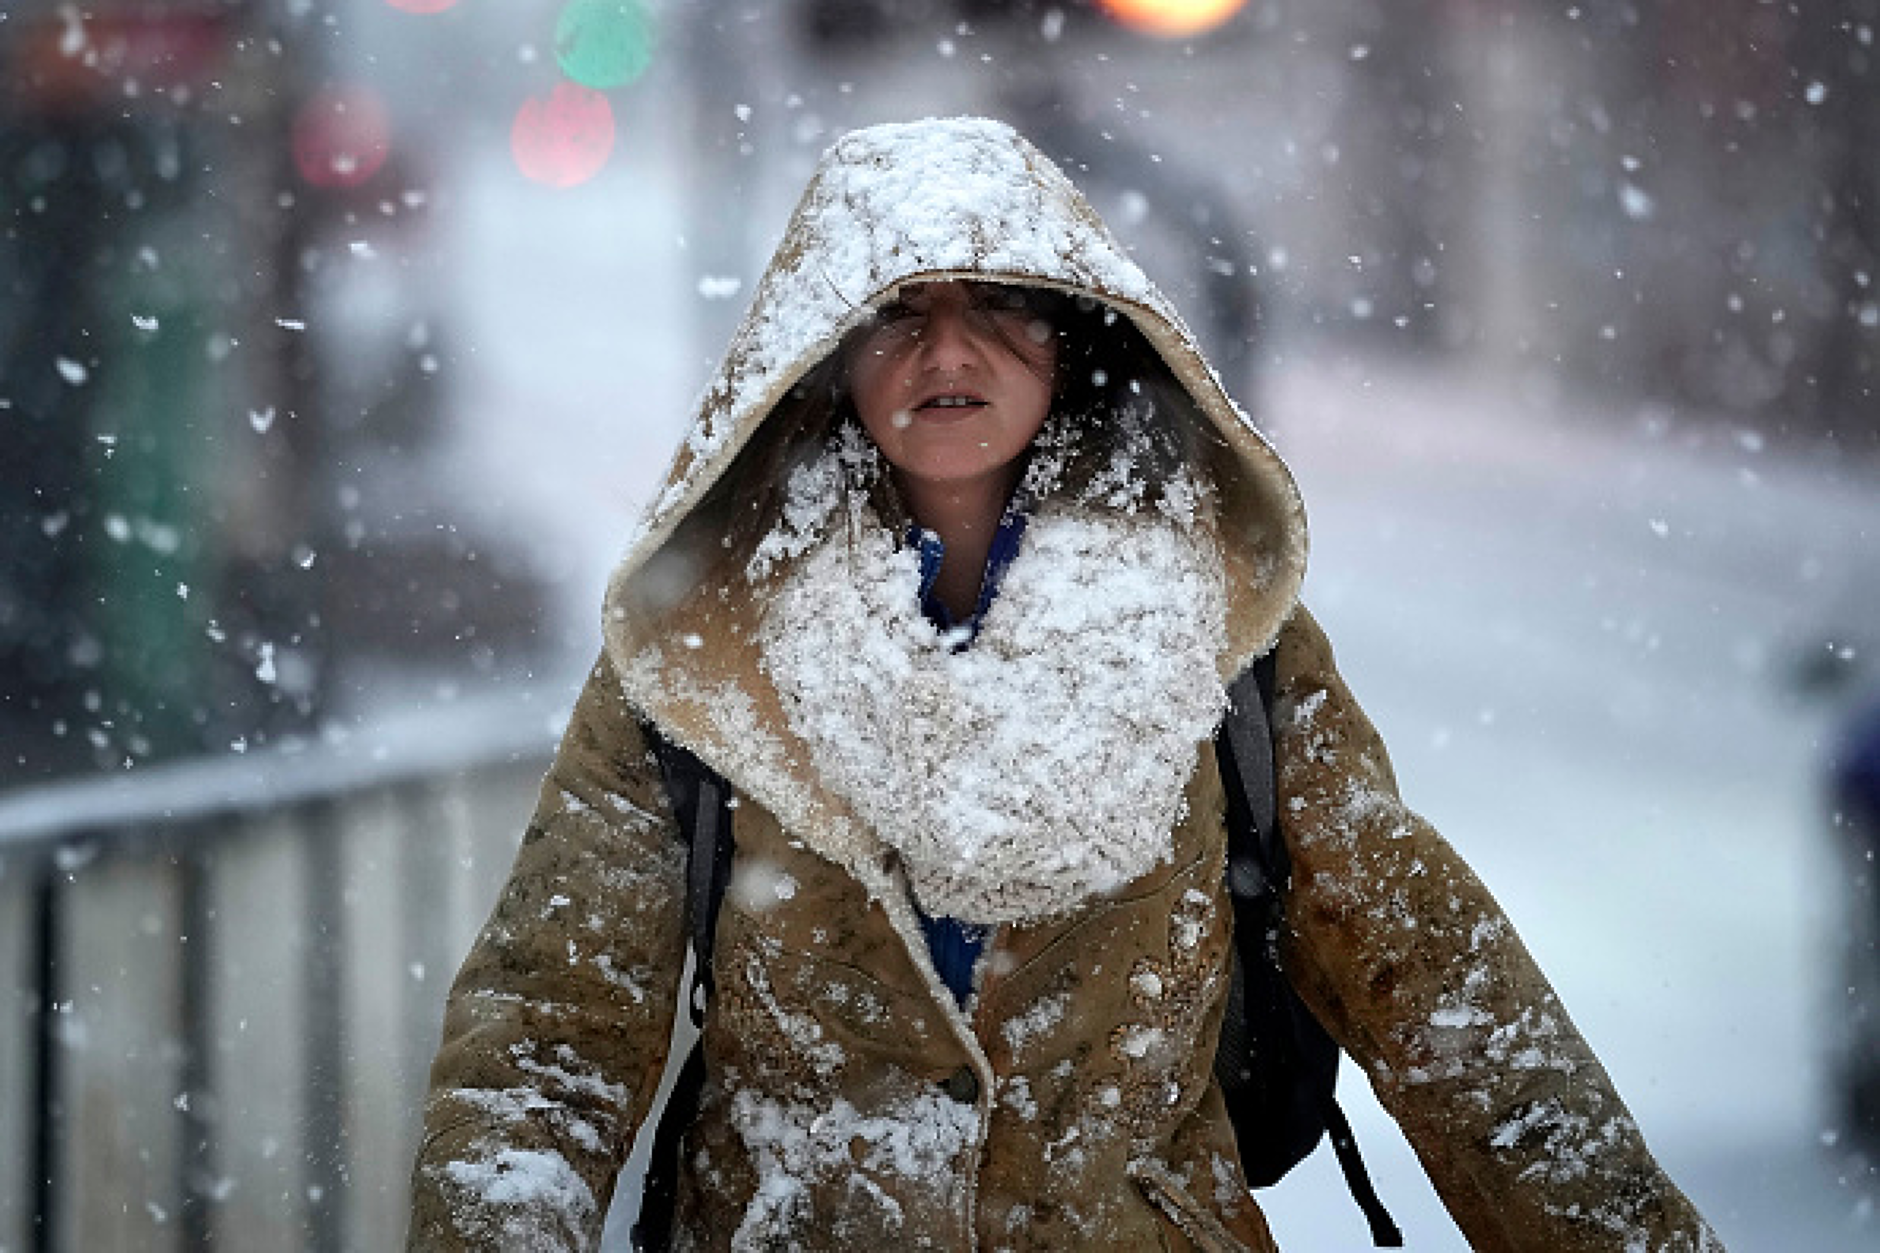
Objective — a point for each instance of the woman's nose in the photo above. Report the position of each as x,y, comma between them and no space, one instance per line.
947,339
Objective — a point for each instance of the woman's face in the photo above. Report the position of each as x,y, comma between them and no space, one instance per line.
952,380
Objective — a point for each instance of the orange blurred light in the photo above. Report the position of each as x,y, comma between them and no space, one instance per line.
564,139
342,136
1172,19
422,6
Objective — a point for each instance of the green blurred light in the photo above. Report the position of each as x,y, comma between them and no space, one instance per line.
604,43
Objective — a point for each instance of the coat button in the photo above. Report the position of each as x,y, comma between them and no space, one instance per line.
962,1085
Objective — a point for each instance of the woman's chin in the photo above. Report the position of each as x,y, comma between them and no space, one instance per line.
940,456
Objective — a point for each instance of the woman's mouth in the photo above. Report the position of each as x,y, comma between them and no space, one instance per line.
948,407
949,403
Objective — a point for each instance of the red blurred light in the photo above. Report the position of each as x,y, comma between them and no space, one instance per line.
342,136
564,139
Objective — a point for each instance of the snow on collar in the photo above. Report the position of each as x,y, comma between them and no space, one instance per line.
1021,777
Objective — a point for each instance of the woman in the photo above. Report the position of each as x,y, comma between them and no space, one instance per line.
947,581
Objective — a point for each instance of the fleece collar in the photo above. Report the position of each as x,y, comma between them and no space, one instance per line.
1017,779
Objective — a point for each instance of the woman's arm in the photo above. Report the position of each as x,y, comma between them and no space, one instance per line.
558,1025
1403,954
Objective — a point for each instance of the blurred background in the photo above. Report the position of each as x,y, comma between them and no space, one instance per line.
341,340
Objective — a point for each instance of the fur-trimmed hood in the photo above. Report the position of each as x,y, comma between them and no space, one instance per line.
957,198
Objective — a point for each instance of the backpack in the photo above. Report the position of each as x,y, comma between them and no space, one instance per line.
1277,1067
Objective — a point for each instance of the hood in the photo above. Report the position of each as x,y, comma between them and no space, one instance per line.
938,199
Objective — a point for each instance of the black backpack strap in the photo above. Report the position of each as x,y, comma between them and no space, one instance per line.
700,800
1256,856
708,871
701,805
1258,870
1384,1231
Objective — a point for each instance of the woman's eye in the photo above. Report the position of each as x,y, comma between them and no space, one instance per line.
995,299
1021,320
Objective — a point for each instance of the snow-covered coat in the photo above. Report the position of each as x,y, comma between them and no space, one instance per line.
851,1101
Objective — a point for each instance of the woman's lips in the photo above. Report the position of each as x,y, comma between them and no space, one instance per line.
952,403
942,409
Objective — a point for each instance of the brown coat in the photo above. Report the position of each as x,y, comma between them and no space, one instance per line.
851,1103
847,1111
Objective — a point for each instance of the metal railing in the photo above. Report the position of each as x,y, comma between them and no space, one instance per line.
224,982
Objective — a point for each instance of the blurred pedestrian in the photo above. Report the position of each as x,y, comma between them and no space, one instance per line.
947,583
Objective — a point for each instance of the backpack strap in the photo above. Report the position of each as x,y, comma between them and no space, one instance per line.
1385,1233
701,806
1258,871
1256,856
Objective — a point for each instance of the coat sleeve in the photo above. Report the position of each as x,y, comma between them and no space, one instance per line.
1403,954
558,1025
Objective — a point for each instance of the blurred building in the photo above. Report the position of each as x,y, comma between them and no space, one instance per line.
199,403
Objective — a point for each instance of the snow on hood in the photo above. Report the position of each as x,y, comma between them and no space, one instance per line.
936,199
960,197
